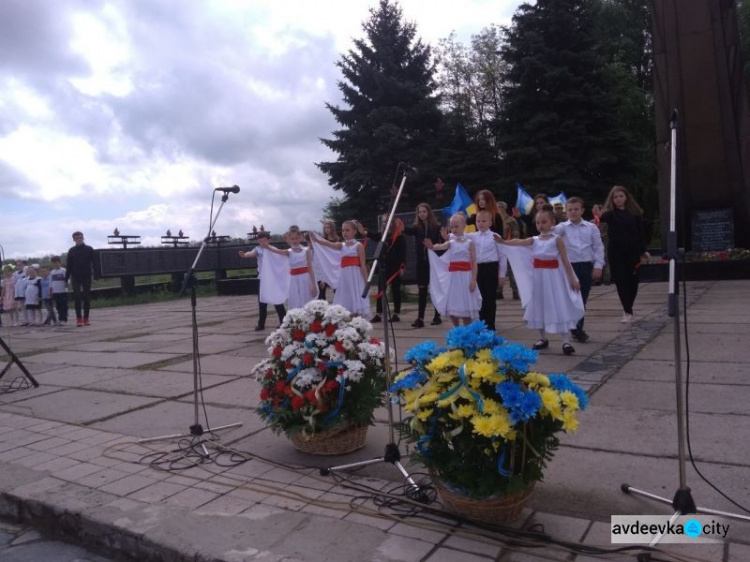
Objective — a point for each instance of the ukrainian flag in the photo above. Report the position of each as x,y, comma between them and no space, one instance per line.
524,201
461,203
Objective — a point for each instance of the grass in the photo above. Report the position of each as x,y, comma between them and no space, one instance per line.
160,295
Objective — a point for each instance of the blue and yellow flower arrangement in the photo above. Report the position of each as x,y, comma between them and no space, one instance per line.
482,421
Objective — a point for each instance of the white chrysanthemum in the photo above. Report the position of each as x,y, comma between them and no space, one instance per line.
348,336
333,353
354,370
337,314
259,371
318,340
371,350
316,307
293,350
297,318
307,378
279,337
361,325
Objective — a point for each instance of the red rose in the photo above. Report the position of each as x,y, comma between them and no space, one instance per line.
298,335
310,395
265,394
322,366
374,341
339,347
269,374
330,330
277,351
280,386
307,358
297,403
316,326
331,385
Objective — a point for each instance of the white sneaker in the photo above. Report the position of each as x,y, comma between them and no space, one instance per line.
626,318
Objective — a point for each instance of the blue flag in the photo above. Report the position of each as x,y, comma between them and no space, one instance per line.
524,202
461,202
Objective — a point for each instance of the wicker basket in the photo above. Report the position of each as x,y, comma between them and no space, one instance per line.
336,441
503,509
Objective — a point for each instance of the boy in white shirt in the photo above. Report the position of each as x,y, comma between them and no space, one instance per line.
58,288
585,251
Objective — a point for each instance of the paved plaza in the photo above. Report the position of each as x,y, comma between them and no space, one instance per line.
70,461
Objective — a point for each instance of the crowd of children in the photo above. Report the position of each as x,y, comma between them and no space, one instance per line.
32,295
552,256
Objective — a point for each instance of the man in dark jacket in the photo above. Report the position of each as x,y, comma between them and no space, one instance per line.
79,269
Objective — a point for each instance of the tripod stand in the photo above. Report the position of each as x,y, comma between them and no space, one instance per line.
682,502
392,454
14,359
196,430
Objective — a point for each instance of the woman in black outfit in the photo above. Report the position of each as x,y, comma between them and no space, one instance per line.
395,260
485,201
627,244
529,221
425,227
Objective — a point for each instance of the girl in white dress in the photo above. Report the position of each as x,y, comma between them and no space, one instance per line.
302,287
342,265
551,293
454,289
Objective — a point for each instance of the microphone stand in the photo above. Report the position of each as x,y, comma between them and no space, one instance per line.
13,357
682,502
392,453
196,430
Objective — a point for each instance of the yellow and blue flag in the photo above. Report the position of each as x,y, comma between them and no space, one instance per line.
462,203
524,201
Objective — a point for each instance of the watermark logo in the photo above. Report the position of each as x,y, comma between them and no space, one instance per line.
690,529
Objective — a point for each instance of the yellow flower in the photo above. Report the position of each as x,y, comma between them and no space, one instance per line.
410,398
424,415
447,377
428,398
483,354
569,399
492,407
570,423
536,379
456,357
466,410
438,363
496,425
551,402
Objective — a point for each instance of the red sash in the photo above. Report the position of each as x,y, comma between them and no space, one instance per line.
350,261
545,264
459,266
299,270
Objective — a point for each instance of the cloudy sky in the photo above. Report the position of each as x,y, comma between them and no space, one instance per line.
127,113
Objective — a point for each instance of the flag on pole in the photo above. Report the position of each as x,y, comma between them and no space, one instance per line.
559,198
524,201
462,203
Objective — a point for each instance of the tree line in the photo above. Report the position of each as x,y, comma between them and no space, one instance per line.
560,99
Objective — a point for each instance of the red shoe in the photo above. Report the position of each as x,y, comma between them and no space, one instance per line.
86,322
79,322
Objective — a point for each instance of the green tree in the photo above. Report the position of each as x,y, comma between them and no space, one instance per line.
562,124
390,114
470,83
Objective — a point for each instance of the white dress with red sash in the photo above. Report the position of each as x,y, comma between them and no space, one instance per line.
299,282
450,276
331,266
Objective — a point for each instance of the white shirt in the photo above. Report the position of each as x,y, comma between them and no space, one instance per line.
486,247
583,241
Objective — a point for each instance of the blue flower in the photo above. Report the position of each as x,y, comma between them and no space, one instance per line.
411,380
521,405
472,338
514,356
423,353
561,382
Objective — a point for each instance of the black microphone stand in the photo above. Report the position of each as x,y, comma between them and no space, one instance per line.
13,357
392,453
196,430
682,502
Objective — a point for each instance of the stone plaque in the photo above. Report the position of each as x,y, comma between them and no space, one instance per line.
713,230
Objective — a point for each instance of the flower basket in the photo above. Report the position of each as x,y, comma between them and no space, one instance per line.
336,441
500,509
482,422
323,380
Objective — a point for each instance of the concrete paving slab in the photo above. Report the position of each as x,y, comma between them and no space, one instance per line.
165,384
168,418
727,348
239,392
216,365
78,376
105,360
78,406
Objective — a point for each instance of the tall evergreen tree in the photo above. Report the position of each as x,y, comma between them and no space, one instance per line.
391,114
561,125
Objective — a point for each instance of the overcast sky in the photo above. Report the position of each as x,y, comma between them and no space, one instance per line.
128,113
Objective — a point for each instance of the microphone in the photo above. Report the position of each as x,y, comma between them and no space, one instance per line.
233,189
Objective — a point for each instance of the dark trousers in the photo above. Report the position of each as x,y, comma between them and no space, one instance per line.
395,294
487,282
583,270
625,275
322,291
263,312
61,304
422,300
82,296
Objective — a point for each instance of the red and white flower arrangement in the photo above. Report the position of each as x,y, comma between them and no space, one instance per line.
325,370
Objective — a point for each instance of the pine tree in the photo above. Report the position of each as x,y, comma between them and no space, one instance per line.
391,114
561,125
